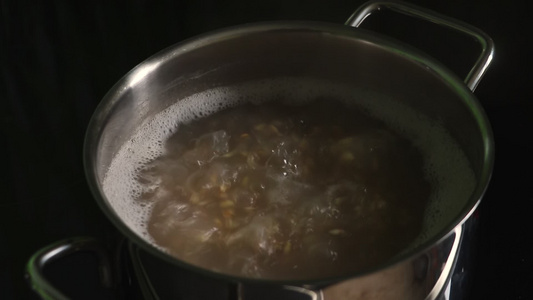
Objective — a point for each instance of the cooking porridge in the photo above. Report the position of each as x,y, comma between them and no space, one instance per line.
282,189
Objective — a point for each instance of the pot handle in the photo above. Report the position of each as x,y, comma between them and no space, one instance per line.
487,46
61,249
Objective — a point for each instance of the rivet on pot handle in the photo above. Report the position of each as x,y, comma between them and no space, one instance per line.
487,46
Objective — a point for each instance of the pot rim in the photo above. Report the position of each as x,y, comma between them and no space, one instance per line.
95,127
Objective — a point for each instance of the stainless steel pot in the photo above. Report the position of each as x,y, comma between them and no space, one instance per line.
339,53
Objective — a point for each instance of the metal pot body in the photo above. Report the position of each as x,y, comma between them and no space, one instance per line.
324,52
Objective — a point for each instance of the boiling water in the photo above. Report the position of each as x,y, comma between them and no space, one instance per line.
132,189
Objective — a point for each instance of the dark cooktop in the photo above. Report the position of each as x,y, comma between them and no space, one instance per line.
58,59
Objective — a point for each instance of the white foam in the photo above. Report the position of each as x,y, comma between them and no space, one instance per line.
445,164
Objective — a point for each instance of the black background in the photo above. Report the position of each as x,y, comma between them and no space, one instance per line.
58,59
